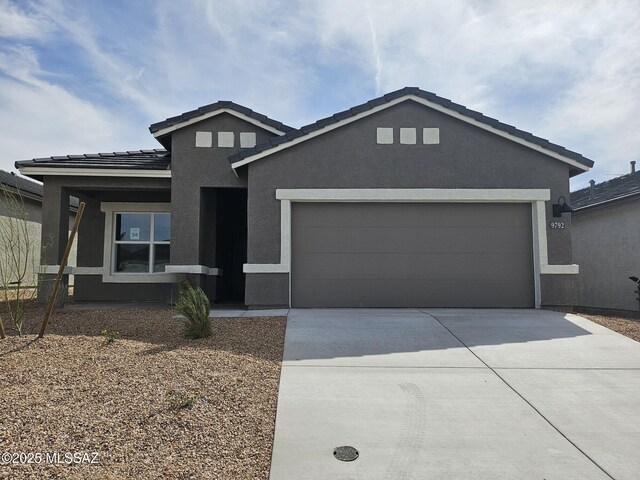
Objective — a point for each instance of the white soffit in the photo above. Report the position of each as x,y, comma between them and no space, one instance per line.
459,195
95,172
421,101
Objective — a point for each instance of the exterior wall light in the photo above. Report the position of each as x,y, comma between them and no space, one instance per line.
561,207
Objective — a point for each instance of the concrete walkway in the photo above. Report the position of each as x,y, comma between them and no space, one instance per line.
456,394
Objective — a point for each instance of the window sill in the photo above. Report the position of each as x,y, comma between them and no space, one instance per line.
142,278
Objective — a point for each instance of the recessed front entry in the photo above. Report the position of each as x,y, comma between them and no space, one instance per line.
412,255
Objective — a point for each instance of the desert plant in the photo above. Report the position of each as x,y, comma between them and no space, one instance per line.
194,305
181,401
109,336
18,258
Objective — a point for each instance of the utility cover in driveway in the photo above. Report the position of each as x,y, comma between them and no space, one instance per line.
412,255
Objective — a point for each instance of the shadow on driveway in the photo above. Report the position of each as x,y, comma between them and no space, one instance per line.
409,335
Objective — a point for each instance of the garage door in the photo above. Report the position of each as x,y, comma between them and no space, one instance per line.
411,255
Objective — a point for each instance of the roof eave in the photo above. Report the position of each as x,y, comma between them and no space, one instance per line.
607,202
41,171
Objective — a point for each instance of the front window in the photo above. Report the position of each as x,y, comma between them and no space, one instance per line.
141,243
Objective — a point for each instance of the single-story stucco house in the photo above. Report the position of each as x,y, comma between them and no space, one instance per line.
606,242
27,208
408,200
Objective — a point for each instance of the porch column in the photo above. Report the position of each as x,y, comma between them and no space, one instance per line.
55,233
187,210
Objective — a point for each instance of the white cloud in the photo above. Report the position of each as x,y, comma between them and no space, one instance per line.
252,53
116,71
41,119
18,23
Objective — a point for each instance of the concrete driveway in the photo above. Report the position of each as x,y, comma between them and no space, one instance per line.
456,394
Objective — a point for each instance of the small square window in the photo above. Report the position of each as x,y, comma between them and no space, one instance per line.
247,139
408,136
430,136
226,139
384,135
204,139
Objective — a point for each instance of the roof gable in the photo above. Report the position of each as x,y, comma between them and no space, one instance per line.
160,129
443,105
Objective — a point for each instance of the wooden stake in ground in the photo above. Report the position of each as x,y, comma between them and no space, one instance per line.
2,334
63,264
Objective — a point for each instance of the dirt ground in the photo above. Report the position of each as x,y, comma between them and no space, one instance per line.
150,404
626,325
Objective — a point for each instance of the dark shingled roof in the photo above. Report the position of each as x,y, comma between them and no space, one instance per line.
169,122
28,188
156,159
13,182
292,135
613,189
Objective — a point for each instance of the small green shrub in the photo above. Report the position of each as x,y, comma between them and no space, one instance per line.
109,336
180,401
194,305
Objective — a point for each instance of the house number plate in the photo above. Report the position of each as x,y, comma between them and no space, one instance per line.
557,225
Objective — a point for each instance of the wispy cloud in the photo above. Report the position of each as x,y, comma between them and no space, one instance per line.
19,24
40,118
376,51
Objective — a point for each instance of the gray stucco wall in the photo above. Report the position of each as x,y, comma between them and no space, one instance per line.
194,169
349,157
606,244
268,290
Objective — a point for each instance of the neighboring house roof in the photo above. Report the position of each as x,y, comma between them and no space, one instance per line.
13,182
614,189
146,160
444,105
160,129
28,188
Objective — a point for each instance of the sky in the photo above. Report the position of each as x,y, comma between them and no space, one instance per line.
87,76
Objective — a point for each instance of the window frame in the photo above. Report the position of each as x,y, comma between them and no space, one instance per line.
109,275
151,242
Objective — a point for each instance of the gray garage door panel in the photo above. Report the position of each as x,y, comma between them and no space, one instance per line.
447,266
407,240
411,255
403,294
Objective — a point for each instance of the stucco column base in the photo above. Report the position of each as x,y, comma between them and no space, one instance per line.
267,290
45,285
557,291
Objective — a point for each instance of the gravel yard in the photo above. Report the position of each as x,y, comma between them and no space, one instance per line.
628,326
150,404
